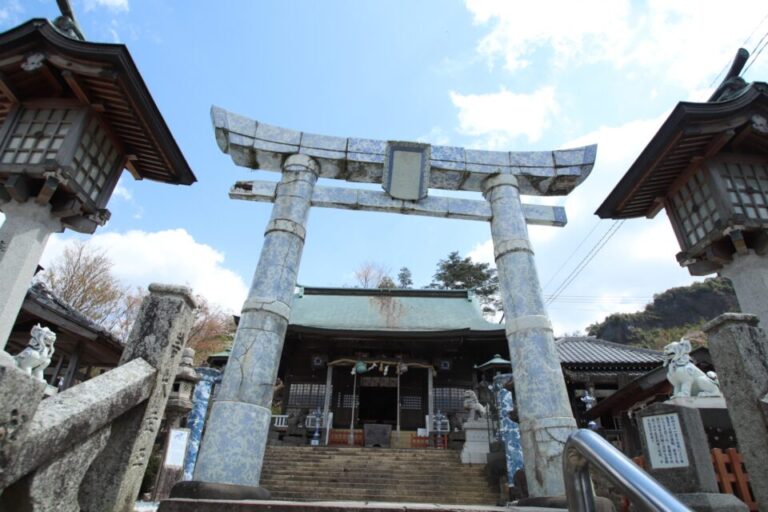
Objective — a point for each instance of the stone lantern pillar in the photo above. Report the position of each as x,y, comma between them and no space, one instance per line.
179,405
73,115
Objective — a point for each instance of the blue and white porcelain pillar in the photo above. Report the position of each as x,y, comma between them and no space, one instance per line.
545,414
232,450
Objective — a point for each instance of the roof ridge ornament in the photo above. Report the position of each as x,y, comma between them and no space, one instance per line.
67,23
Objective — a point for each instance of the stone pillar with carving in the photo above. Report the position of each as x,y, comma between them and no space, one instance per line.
232,449
546,419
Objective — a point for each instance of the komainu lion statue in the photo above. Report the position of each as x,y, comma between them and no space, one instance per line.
473,405
34,359
686,379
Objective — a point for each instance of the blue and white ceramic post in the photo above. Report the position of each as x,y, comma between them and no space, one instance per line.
201,399
232,450
545,414
509,430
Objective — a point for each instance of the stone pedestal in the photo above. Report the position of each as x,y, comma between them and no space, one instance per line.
23,236
232,450
677,454
740,352
476,446
544,410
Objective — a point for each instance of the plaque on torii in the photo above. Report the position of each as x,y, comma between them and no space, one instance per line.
232,450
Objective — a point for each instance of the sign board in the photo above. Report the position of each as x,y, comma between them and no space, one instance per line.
665,442
177,447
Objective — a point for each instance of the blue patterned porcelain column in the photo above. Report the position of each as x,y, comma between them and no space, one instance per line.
232,450
508,429
201,399
545,414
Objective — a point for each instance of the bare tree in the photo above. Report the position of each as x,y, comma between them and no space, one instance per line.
370,274
210,322
83,278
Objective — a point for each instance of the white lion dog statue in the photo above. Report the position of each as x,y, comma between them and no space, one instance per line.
686,379
34,359
473,405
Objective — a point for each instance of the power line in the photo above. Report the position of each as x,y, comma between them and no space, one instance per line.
587,259
566,260
756,55
742,44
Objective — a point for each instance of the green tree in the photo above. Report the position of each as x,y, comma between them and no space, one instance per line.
386,282
404,278
455,272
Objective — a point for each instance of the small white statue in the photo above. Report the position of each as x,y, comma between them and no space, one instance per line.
34,359
473,405
686,379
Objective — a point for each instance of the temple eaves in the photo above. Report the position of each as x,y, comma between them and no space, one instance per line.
262,146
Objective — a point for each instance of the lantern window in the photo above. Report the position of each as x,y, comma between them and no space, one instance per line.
38,135
696,208
747,186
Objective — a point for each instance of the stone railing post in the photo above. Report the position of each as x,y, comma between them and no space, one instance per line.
158,336
545,414
740,353
232,449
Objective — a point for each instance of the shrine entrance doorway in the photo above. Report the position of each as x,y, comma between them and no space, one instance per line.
378,405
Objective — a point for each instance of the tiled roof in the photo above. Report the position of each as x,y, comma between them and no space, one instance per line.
41,295
590,350
360,309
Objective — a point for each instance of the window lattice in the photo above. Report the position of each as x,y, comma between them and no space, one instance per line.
747,188
449,399
410,403
38,135
696,209
344,400
306,395
95,159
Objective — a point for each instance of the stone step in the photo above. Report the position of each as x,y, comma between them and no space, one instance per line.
395,475
374,470
190,505
333,486
451,499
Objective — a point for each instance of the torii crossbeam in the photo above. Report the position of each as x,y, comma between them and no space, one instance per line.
232,450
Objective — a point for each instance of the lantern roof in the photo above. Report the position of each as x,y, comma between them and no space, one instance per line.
693,133
37,62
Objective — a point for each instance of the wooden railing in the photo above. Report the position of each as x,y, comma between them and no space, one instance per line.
731,475
340,437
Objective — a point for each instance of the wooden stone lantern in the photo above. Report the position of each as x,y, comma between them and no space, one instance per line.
708,168
73,115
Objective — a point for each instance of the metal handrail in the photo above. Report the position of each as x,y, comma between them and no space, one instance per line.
585,447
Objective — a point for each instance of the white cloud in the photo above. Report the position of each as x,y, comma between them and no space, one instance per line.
436,136
670,39
113,5
501,116
170,256
122,191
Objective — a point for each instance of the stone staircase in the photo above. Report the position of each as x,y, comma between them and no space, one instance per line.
374,474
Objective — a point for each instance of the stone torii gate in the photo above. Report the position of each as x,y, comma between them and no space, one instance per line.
232,450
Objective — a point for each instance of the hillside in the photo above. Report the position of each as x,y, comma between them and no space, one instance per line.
673,313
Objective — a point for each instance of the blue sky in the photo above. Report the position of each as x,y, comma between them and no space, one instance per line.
481,74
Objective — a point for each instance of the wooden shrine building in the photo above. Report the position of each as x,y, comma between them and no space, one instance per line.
418,349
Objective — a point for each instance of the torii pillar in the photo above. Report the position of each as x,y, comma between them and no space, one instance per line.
232,450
